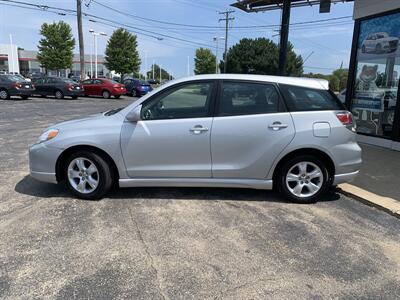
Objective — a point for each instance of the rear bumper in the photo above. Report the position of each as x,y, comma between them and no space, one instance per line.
347,177
118,92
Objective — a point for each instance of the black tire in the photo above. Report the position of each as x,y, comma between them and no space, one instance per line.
288,165
105,175
59,94
4,94
363,49
106,94
117,96
134,93
24,97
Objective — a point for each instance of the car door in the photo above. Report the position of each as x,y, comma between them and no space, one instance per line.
250,129
172,139
97,87
87,85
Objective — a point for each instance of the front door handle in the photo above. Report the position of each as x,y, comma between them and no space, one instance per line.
198,129
277,126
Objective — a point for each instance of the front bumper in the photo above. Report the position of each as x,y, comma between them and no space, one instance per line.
42,162
21,92
78,93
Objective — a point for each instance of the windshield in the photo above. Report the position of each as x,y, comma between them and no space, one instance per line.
13,77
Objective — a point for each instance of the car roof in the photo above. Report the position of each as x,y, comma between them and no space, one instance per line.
314,83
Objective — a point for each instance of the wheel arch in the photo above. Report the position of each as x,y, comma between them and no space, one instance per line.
323,156
60,164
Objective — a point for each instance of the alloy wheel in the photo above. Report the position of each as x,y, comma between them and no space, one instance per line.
83,175
59,95
304,179
3,95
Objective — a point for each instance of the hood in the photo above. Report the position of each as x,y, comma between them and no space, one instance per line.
77,121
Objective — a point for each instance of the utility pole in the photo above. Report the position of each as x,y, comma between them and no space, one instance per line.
80,35
226,19
153,68
284,37
160,74
188,66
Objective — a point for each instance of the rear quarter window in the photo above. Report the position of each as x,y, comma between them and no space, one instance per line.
308,99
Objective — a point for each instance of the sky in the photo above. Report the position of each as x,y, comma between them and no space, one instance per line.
327,45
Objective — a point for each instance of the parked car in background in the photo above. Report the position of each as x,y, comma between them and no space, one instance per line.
379,42
153,81
137,87
247,131
12,85
58,87
103,87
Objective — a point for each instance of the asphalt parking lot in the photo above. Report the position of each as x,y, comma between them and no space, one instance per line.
178,243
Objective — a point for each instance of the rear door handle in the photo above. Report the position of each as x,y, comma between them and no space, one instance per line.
277,126
198,129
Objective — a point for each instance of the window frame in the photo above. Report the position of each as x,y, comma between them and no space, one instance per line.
282,107
167,90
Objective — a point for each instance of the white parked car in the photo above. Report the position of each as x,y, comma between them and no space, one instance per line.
379,42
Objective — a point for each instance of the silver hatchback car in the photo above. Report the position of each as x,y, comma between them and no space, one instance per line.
247,131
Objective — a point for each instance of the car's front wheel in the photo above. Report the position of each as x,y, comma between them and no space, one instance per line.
303,179
88,175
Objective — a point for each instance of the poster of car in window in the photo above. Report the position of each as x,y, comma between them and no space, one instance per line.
376,75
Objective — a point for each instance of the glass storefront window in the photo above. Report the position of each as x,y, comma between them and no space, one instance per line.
377,70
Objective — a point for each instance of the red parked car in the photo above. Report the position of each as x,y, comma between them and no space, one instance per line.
103,87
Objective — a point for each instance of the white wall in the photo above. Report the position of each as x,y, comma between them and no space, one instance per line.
12,53
364,8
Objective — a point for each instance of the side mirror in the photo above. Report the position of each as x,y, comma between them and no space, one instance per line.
134,115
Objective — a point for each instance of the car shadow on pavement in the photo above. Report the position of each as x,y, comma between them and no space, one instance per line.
32,187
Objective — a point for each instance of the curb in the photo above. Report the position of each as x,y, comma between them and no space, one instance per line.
386,204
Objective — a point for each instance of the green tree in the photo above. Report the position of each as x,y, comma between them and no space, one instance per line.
204,62
334,83
261,56
164,74
342,75
122,55
56,46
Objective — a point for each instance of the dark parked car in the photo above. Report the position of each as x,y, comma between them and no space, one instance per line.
136,87
11,85
103,87
58,87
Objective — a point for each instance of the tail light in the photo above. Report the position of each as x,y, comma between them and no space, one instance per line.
346,118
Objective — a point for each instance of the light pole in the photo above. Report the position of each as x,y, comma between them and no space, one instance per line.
95,35
216,52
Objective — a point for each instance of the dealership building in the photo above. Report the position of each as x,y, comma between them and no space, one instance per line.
25,62
373,88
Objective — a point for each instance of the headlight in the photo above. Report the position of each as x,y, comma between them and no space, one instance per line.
48,135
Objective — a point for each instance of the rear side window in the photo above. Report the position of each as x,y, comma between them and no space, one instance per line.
244,98
307,99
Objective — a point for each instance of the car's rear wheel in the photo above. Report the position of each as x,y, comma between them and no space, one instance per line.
88,175
303,179
106,94
59,95
4,95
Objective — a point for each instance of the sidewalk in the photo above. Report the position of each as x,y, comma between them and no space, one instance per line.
378,183
380,171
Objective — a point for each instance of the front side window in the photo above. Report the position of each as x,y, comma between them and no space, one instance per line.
88,81
308,99
191,100
243,98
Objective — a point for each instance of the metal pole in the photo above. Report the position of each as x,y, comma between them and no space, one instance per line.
284,37
95,55
145,65
226,19
91,57
12,55
160,74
